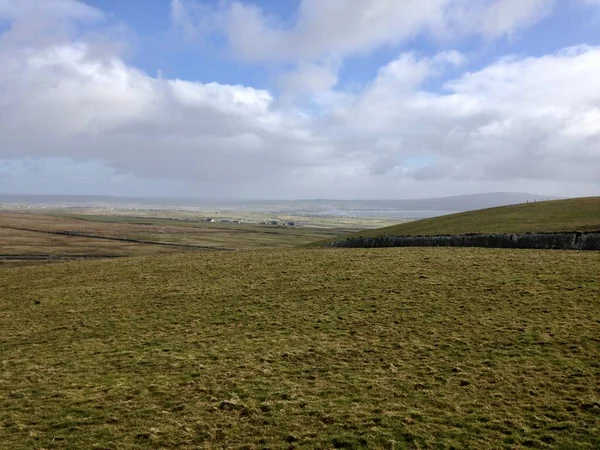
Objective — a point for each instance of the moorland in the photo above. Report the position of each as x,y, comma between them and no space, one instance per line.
293,346
34,236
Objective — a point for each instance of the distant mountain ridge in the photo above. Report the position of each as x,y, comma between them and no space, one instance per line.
454,203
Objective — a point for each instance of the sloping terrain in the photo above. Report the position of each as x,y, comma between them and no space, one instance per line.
580,214
387,348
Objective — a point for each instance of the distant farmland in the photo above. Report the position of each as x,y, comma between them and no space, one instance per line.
32,238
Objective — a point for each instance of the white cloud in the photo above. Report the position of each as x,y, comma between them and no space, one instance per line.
340,28
53,9
530,123
325,28
520,118
497,18
309,78
325,31
195,19
181,16
65,99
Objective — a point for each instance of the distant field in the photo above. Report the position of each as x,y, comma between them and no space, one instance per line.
249,216
389,348
581,214
27,238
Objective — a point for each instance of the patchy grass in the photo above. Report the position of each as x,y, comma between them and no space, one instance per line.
580,214
387,348
34,238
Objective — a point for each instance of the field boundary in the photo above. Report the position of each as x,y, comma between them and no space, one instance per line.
48,257
557,241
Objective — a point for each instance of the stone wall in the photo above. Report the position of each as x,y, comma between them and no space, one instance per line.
560,241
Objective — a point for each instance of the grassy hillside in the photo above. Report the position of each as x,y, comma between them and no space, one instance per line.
580,214
390,348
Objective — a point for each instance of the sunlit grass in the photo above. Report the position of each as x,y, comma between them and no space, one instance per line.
390,348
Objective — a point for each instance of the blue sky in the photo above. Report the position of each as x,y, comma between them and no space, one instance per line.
157,46
341,99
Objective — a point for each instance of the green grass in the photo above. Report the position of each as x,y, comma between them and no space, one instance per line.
581,214
387,348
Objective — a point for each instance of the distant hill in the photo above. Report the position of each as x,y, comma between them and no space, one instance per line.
451,204
579,214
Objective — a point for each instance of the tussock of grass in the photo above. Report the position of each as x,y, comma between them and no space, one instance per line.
580,214
388,348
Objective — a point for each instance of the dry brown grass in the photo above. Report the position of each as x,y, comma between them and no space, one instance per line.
37,237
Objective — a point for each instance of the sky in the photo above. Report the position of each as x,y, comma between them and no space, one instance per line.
300,99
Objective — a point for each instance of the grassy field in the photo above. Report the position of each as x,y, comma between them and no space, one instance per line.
581,214
32,238
388,348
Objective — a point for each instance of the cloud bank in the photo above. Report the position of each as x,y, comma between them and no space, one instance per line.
520,121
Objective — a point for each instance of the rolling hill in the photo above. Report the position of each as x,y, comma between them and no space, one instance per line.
579,214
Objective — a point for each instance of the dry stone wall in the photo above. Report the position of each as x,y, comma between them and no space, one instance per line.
560,241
